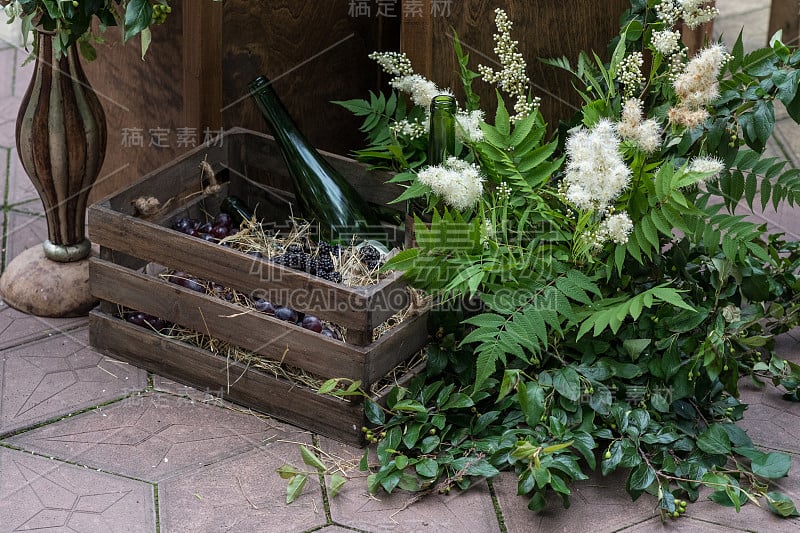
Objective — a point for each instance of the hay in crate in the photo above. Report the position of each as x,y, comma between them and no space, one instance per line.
277,367
255,237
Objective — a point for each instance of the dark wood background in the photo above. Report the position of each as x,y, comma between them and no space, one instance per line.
196,72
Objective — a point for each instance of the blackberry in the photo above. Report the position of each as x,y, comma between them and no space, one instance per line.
298,262
312,265
279,260
370,256
324,264
335,277
324,248
294,249
369,253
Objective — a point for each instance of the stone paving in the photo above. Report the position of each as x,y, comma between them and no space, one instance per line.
89,444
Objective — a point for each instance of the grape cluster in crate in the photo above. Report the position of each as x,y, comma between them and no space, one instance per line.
353,265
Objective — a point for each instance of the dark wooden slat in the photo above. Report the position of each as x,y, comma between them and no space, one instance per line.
546,28
228,322
202,65
315,52
201,369
393,347
178,179
416,39
230,268
141,97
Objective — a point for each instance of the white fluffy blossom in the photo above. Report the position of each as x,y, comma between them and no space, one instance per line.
668,12
644,134
666,42
693,12
698,85
458,183
468,125
707,165
616,228
421,90
595,171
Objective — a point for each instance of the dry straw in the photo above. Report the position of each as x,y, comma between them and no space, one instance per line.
256,237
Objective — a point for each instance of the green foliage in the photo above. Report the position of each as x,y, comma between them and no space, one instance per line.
575,342
71,21
296,479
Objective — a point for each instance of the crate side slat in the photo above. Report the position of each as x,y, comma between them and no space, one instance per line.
249,387
225,321
177,180
394,347
301,291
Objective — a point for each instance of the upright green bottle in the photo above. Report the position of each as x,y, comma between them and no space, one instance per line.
322,194
442,135
441,145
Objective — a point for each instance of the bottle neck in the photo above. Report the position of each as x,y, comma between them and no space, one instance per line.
442,136
278,119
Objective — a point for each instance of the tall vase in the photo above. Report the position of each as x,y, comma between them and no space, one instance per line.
61,141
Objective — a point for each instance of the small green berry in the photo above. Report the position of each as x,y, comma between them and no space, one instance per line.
676,514
607,454
432,431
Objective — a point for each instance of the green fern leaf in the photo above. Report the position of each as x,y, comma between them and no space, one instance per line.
671,296
750,189
358,107
536,157
572,291
486,363
660,222
633,248
486,320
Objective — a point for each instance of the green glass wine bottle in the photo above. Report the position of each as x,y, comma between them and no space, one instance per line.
442,135
441,145
322,194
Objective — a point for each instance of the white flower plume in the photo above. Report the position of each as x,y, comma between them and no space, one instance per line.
458,183
595,171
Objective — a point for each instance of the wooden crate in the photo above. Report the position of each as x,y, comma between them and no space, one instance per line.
248,165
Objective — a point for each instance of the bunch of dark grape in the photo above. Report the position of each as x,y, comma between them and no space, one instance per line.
370,256
147,321
319,264
288,314
295,256
213,231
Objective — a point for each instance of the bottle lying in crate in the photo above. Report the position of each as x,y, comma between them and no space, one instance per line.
322,193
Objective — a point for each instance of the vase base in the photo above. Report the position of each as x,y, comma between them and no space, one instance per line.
36,285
